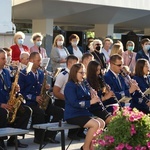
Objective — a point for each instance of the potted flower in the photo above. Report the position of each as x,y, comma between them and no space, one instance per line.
128,130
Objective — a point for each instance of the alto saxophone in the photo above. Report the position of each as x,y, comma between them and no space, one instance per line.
15,99
44,93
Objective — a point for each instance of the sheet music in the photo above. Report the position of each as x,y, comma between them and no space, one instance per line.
125,99
29,67
45,62
147,91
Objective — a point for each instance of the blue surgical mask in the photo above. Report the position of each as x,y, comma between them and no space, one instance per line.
130,48
20,41
147,47
38,43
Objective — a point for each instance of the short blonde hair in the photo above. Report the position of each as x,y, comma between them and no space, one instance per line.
115,49
107,39
97,40
19,33
130,42
56,38
35,36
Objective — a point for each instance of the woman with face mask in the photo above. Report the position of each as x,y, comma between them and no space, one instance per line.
145,51
18,47
98,55
37,40
59,53
74,48
129,56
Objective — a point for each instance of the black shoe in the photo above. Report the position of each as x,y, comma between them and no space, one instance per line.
50,140
81,135
74,137
12,143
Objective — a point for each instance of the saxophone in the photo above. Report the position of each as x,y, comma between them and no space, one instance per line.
15,99
44,93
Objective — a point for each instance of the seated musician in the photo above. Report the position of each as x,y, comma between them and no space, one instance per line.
95,80
117,82
30,88
23,112
77,100
142,77
24,59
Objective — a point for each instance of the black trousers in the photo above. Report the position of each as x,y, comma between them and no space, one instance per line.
57,114
3,118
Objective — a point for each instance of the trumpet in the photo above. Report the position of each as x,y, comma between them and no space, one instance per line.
93,92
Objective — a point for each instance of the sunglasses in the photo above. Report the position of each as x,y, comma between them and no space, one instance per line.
119,65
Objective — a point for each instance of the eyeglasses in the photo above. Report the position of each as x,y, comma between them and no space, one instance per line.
119,65
82,73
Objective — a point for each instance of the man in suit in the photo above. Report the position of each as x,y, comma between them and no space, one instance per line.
30,88
117,82
23,112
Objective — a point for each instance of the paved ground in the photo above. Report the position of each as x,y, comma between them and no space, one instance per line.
32,146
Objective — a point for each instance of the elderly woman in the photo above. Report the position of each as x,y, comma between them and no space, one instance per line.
74,48
18,47
37,40
129,56
59,53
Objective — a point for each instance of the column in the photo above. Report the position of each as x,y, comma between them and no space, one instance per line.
103,30
147,31
5,21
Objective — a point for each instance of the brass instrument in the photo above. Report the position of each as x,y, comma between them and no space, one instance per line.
15,99
44,93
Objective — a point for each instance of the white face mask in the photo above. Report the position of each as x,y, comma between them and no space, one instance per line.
38,43
74,43
59,43
147,47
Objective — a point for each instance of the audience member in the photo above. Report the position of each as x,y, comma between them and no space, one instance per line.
18,48
59,53
37,41
129,56
74,48
145,51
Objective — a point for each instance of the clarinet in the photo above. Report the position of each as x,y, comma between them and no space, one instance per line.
124,75
107,88
93,91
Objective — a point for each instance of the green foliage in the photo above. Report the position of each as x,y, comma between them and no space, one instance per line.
128,130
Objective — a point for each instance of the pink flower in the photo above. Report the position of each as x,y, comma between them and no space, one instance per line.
132,130
102,142
148,145
138,148
128,147
148,135
109,139
115,110
120,147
